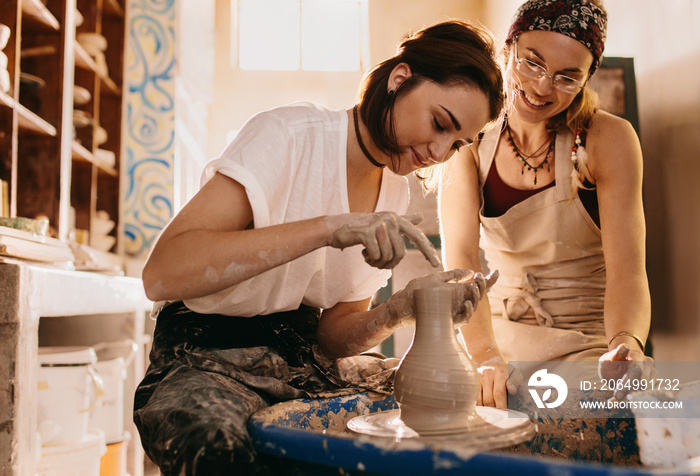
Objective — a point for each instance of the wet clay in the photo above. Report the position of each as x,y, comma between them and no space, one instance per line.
436,385
436,388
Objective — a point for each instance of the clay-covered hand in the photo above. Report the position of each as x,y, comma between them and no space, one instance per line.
382,235
494,378
468,289
624,363
468,292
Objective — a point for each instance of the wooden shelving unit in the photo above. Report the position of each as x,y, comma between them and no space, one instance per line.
54,168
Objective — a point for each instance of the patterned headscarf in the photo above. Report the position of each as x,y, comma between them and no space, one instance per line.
578,19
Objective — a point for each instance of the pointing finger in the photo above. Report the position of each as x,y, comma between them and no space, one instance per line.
491,278
622,352
414,218
420,241
456,275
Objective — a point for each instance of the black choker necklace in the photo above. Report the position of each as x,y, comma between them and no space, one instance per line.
362,144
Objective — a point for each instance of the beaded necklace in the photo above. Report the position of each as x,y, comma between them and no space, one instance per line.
521,157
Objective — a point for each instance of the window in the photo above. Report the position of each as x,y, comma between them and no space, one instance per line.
309,35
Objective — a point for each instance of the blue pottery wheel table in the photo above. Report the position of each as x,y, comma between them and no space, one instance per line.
309,437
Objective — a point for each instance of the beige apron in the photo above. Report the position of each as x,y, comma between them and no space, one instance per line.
548,301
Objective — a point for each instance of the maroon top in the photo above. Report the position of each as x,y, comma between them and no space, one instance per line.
500,197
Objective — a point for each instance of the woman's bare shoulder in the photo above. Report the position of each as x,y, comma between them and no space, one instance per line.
612,145
606,126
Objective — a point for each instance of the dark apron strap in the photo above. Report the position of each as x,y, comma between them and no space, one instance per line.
292,332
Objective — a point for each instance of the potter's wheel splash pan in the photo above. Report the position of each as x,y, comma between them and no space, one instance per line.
495,429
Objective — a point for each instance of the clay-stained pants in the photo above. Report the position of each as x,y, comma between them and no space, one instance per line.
208,374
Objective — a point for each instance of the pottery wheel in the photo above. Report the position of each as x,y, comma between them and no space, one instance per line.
499,428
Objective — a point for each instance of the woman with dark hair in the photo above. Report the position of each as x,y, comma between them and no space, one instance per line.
261,290
553,198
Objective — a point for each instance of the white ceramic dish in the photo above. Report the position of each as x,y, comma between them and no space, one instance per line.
106,156
29,81
4,80
93,43
100,136
81,95
101,226
4,35
38,51
81,119
102,242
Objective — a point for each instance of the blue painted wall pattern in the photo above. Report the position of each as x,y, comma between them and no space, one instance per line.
148,178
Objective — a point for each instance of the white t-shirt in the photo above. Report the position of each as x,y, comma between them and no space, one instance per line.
292,162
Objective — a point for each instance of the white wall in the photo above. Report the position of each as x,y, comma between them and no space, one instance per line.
240,94
664,39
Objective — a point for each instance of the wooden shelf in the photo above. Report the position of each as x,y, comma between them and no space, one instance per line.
81,154
112,7
68,178
27,120
38,11
39,51
85,61
53,169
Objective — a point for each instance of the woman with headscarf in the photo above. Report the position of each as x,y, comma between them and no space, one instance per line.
553,197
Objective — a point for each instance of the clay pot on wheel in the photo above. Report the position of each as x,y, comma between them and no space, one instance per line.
436,385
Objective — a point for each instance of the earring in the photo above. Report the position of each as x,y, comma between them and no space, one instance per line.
574,149
390,93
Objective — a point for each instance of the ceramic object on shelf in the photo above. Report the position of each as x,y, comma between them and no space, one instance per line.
101,62
93,43
81,95
81,119
81,236
106,157
102,242
38,51
4,35
100,136
101,223
4,80
31,82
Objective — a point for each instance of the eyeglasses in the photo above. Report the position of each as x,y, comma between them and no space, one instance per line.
537,71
